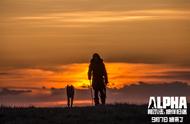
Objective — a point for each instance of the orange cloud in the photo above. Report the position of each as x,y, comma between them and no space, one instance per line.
92,17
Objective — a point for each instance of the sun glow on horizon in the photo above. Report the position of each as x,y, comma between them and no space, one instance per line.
119,74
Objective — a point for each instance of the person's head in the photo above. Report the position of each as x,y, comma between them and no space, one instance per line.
96,56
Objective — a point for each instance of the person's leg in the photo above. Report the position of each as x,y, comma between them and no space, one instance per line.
72,101
103,95
96,99
68,101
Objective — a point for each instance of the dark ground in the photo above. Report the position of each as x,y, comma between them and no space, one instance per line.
110,114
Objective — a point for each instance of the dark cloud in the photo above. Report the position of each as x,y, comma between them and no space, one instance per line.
175,75
55,91
136,93
179,74
7,74
139,93
80,94
6,91
4,73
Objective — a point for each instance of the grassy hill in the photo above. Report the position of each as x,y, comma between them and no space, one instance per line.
109,114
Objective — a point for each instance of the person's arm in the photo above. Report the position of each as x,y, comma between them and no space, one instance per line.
105,74
90,72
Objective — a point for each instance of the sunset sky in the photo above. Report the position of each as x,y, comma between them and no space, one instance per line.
47,44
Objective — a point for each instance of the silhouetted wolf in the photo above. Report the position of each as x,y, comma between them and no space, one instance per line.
98,73
70,95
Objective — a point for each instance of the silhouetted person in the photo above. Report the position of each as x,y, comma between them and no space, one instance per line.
97,72
70,95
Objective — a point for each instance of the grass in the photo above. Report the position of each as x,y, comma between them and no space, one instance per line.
109,114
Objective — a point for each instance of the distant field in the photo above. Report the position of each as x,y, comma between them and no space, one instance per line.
110,114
